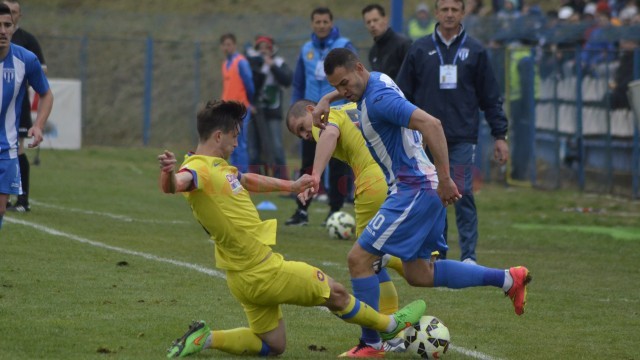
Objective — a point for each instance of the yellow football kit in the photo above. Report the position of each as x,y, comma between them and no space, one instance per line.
257,277
352,149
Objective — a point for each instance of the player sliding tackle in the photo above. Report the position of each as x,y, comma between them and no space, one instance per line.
260,279
410,222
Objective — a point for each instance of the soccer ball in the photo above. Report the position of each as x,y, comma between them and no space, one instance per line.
429,338
341,225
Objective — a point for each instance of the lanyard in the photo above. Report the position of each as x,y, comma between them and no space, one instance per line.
440,53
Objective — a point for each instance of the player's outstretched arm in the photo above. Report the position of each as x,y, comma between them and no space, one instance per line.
44,109
321,111
260,183
325,147
433,135
170,182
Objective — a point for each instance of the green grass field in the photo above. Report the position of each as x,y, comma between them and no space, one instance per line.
105,266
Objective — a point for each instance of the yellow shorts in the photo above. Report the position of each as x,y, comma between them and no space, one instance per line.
275,281
369,197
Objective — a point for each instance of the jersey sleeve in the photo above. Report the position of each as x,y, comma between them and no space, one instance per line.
199,171
35,76
392,107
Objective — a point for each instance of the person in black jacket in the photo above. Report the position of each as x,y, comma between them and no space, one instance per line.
389,48
270,75
28,41
448,75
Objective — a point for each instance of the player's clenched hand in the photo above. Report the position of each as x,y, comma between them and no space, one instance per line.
35,133
303,183
320,113
305,196
448,192
167,161
308,193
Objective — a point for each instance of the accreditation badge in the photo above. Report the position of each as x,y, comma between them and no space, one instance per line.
448,76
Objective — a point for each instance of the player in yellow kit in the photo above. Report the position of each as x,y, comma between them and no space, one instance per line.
342,140
257,277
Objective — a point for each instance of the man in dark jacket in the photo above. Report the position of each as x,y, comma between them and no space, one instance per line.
270,75
448,75
389,48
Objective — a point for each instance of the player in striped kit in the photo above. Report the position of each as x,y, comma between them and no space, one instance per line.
18,66
410,222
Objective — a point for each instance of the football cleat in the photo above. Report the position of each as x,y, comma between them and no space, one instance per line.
394,345
191,342
518,291
299,218
363,350
405,317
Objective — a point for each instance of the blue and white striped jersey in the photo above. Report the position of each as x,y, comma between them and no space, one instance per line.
18,67
385,114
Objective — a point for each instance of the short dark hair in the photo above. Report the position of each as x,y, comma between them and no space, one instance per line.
340,57
228,36
460,1
321,11
4,10
225,116
372,7
298,110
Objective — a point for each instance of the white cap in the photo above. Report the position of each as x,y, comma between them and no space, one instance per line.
565,12
590,8
422,7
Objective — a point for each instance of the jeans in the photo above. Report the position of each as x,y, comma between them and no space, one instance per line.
461,163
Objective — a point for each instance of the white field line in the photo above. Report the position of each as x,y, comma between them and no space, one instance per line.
48,230
198,268
106,214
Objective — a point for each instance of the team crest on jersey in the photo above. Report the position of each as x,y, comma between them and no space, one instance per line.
464,54
8,74
310,55
236,187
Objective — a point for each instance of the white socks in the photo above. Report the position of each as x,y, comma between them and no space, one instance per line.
508,281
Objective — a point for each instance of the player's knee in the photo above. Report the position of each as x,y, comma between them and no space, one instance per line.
357,264
277,348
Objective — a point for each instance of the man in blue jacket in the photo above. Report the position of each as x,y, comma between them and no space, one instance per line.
310,82
448,75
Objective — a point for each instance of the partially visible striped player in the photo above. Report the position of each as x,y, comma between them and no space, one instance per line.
19,66
260,279
342,140
410,222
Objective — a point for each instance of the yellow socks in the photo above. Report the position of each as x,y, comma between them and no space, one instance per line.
362,314
240,341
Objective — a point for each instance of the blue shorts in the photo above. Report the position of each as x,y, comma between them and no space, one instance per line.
409,224
10,177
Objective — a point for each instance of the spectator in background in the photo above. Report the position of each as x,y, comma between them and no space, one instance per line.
475,9
509,10
499,5
598,49
270,75
576,5
28,41
237,85
453,85
422,24
19,67
624,73
389,48
310,82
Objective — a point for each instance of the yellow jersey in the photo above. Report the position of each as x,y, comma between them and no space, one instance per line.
351,147
224,208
